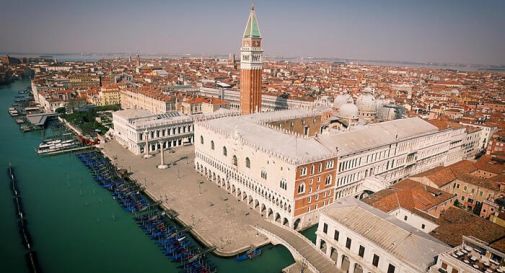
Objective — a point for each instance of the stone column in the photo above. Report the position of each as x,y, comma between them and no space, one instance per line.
146,149
339,260
328,250
352,264
162,155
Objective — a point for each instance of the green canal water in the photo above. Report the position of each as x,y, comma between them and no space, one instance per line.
76,226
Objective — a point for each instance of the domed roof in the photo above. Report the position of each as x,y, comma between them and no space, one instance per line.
348,111
341,99
368,89
366,101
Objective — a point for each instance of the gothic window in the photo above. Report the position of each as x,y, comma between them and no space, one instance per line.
284,184
201,139
329,164
235,161
212,144
303,171
225,152
328,180
247,162
301,188
263,174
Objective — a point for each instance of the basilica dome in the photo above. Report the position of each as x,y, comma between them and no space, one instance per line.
348,110
341,99
366,101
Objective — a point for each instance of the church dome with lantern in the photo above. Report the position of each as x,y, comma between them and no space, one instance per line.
367,104
348,110
366,101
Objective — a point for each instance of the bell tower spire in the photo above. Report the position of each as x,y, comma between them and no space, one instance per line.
251,66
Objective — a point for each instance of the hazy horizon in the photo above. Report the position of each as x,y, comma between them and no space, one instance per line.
456,32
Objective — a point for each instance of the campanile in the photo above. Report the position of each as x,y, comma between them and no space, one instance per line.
251,67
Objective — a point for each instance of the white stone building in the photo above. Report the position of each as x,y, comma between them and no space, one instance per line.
286,177
485,133
134,128
472,141
362,239
388,151
280,171
268,102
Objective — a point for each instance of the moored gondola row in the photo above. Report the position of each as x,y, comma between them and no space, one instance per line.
174,241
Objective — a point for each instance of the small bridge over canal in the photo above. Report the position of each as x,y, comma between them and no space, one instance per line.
300,247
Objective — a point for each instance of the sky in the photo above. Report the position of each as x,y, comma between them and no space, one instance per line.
443,31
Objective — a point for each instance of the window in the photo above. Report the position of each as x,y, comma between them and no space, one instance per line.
328,180
423,226
303,171
375,260
361,251
348,243
201,139
247,162
309,199
235,161
284,184
320,167
225,151
405,217
325,228
329,164
335,235
313,170
263,174
212,144
391,268
301,188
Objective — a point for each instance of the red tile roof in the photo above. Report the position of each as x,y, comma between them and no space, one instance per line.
454,223
408,194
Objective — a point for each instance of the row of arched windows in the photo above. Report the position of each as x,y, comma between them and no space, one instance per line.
234,158
265,193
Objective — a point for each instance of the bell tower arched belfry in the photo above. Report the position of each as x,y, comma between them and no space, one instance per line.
251,66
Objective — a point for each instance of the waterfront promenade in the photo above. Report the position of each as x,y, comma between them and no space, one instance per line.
216,217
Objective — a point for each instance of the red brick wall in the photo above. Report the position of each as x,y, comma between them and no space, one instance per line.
301,201
250,91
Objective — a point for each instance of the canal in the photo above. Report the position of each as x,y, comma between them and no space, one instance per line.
75,224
